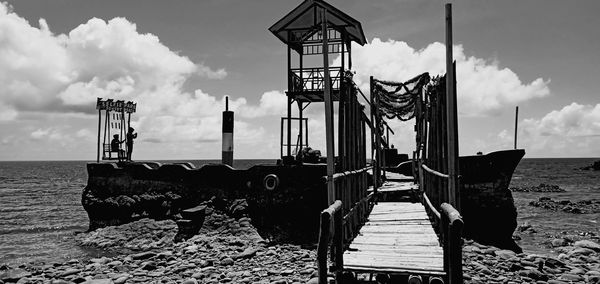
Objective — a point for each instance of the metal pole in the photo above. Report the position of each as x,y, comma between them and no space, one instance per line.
328,112
516,124
451,118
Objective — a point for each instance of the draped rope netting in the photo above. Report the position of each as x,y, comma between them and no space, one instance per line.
398,100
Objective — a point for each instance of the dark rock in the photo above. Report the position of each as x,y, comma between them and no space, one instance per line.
579,207
143,255
69,271
13,275
593,167
247,253
534,274
542,187
227,261
588,244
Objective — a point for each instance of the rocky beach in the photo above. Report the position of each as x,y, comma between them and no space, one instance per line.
229,250
225,251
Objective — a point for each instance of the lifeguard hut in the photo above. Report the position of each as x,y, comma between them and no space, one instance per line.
117,119
313,29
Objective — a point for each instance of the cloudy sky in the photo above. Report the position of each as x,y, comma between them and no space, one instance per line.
179,59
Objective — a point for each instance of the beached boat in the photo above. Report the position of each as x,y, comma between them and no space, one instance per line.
486,202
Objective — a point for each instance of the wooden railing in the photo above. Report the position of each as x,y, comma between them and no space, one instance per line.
448,223
432,160
330,218
351,188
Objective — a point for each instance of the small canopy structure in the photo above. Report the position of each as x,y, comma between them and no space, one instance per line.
305,20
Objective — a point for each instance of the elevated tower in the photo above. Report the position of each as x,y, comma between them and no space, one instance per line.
315,28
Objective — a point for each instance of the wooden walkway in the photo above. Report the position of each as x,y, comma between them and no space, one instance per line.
398,238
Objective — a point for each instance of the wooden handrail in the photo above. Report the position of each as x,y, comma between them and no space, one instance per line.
453,215
431,207
426,168
334,211
452,225
347,173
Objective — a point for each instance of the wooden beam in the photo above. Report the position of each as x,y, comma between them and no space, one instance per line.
328,112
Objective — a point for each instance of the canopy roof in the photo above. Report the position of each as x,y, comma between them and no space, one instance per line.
306,19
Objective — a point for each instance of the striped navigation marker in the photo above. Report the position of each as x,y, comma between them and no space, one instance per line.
227,150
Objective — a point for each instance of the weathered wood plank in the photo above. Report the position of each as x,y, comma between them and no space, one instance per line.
398,238
394,269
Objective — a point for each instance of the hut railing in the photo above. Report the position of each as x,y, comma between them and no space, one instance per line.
312,79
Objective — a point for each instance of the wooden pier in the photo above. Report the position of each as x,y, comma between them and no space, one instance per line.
361,232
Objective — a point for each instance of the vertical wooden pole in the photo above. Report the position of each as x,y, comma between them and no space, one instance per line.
376,122
301,131
281,138
328,112
349,55
99,121
451,113
516,124
123,130
289,101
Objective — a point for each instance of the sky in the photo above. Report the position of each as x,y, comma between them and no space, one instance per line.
179,59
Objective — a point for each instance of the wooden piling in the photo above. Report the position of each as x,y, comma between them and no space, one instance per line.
451,118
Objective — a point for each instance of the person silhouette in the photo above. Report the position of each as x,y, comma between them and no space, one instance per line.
115,146
129,142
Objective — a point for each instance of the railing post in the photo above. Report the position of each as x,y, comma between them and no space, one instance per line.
322,247
338,243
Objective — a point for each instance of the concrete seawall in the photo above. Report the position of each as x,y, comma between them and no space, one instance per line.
116,194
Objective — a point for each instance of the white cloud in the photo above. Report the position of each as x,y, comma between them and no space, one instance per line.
45,73
272,103
573,130
48,134
205,71
483,88
40,71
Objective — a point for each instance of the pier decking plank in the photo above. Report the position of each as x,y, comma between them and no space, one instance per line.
394,185
398,238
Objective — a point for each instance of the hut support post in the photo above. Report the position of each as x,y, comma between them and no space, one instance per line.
328,112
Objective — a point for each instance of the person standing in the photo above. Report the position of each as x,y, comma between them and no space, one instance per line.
129,142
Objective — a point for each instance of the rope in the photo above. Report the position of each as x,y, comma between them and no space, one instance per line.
437,213
434,171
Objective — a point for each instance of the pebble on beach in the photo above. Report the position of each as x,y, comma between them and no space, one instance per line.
579,207
577,263
225,251
542,187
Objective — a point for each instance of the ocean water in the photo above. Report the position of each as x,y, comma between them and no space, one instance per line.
578,185
40,205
